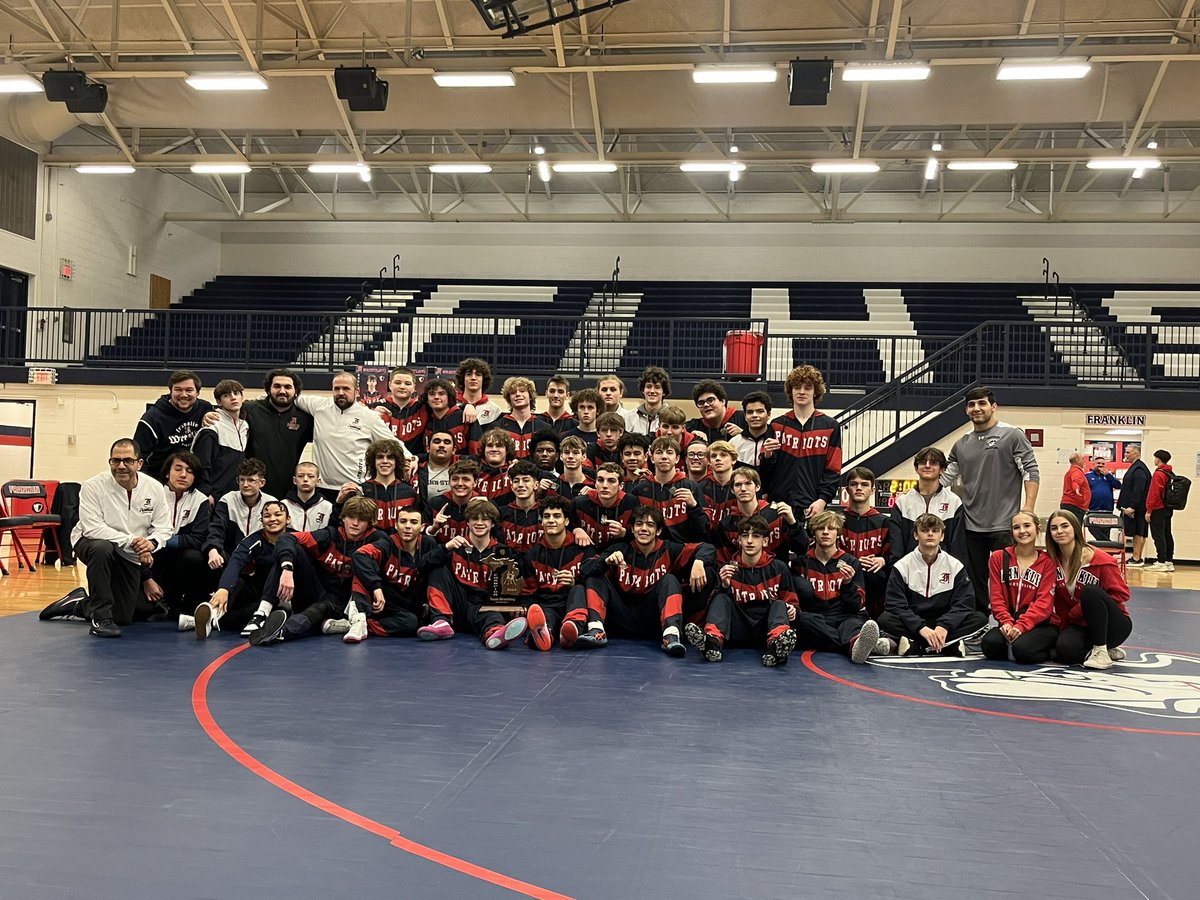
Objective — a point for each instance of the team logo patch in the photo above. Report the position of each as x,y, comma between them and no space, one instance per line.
1148,684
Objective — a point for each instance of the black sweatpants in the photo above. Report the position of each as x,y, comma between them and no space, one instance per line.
1164,538
313,601
114,583
1106,626
447,592
185,578
980,545
818,631
1030,649
639,616
745,623
893,626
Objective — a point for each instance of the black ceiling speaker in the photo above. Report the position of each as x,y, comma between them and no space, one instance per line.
361,88
74,89
808,82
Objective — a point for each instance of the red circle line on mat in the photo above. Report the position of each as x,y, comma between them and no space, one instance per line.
395,838
807,659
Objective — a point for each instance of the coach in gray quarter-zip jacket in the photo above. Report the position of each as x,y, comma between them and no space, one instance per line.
999,478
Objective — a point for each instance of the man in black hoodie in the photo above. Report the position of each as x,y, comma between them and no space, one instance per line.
279,429
171,422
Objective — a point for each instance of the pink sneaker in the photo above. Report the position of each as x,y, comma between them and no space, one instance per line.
437,631
502,636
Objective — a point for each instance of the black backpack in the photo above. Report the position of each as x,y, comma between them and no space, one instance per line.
1175,493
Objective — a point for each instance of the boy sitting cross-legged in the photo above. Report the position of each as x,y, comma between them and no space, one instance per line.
930,603
754,603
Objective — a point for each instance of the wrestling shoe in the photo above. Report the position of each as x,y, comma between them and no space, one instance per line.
695,635
503,635
438,630
779,649
255,623
539,635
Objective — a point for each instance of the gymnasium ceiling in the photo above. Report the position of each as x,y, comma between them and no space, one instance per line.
616,85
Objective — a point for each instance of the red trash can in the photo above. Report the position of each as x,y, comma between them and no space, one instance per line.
743,354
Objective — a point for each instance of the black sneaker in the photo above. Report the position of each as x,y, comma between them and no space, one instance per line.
270,630
105,628
255,623
713,651
695,635
672,647
591,639
66,607
779,649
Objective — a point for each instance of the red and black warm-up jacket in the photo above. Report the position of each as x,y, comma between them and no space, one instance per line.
680,522
833,594
390,499
871,534
571,491
591,516
718,500
330,549
466,565
643,571
1022,600
597,456
406,422
493,482
782,540
561,426
808,465
762,584
466,437
699,426
1105,573
521,434
520,529
541,562
458,516
384,563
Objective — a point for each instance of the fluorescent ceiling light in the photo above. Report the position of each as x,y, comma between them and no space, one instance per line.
543,168
584,167
474,79
460,168
337,168
365,174
845,166
735,74
239,81
885,72
13,81
221,169
931,168
1124,162
1042,70
729,167
114,169
981,165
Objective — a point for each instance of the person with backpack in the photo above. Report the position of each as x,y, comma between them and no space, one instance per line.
1168,492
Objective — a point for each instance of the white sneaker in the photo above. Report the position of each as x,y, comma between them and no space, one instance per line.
1156,567
1169,567
1116,654
205,620
885,646
1098,659
335,626
357,632
187,623
903,647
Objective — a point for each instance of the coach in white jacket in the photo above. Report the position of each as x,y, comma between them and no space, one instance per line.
342,431
124,518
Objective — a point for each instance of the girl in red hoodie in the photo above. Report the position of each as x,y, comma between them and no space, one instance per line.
1021,585
1090,596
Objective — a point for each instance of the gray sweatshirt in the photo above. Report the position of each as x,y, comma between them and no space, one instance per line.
994,465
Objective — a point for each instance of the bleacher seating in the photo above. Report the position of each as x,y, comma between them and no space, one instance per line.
1129,311
210,324
673,328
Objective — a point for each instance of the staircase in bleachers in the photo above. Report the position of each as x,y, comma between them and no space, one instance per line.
603,331
682,326
1155,326
1085,346
257,321
352,339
